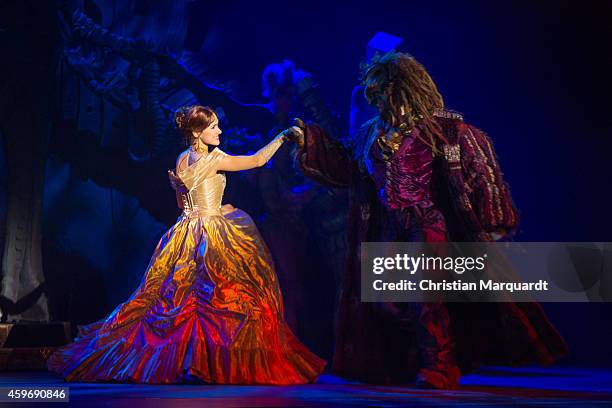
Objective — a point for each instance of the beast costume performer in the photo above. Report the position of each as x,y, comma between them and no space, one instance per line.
419,173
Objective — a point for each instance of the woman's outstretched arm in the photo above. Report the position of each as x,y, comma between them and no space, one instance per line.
237,163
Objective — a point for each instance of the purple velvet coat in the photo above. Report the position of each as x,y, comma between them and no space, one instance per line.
460,196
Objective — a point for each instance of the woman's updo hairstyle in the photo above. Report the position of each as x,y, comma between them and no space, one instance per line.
191,119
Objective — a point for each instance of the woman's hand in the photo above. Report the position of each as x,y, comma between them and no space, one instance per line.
294,134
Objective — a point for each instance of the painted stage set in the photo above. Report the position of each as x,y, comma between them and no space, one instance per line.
492,386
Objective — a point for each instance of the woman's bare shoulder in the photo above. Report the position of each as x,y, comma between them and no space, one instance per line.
181,160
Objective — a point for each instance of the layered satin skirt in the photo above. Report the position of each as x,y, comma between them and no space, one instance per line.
209,307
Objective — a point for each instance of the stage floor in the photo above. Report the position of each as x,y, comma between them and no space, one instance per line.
492,386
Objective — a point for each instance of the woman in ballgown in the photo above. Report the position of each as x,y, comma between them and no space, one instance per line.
209,305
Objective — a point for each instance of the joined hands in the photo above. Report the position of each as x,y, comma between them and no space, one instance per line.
296,132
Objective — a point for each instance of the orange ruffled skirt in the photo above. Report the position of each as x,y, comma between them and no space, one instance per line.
209,306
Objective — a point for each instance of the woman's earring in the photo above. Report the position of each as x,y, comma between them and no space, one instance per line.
197,144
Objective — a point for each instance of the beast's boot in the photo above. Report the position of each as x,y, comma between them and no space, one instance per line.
437,347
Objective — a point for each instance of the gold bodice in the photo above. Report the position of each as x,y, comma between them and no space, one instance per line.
205,186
